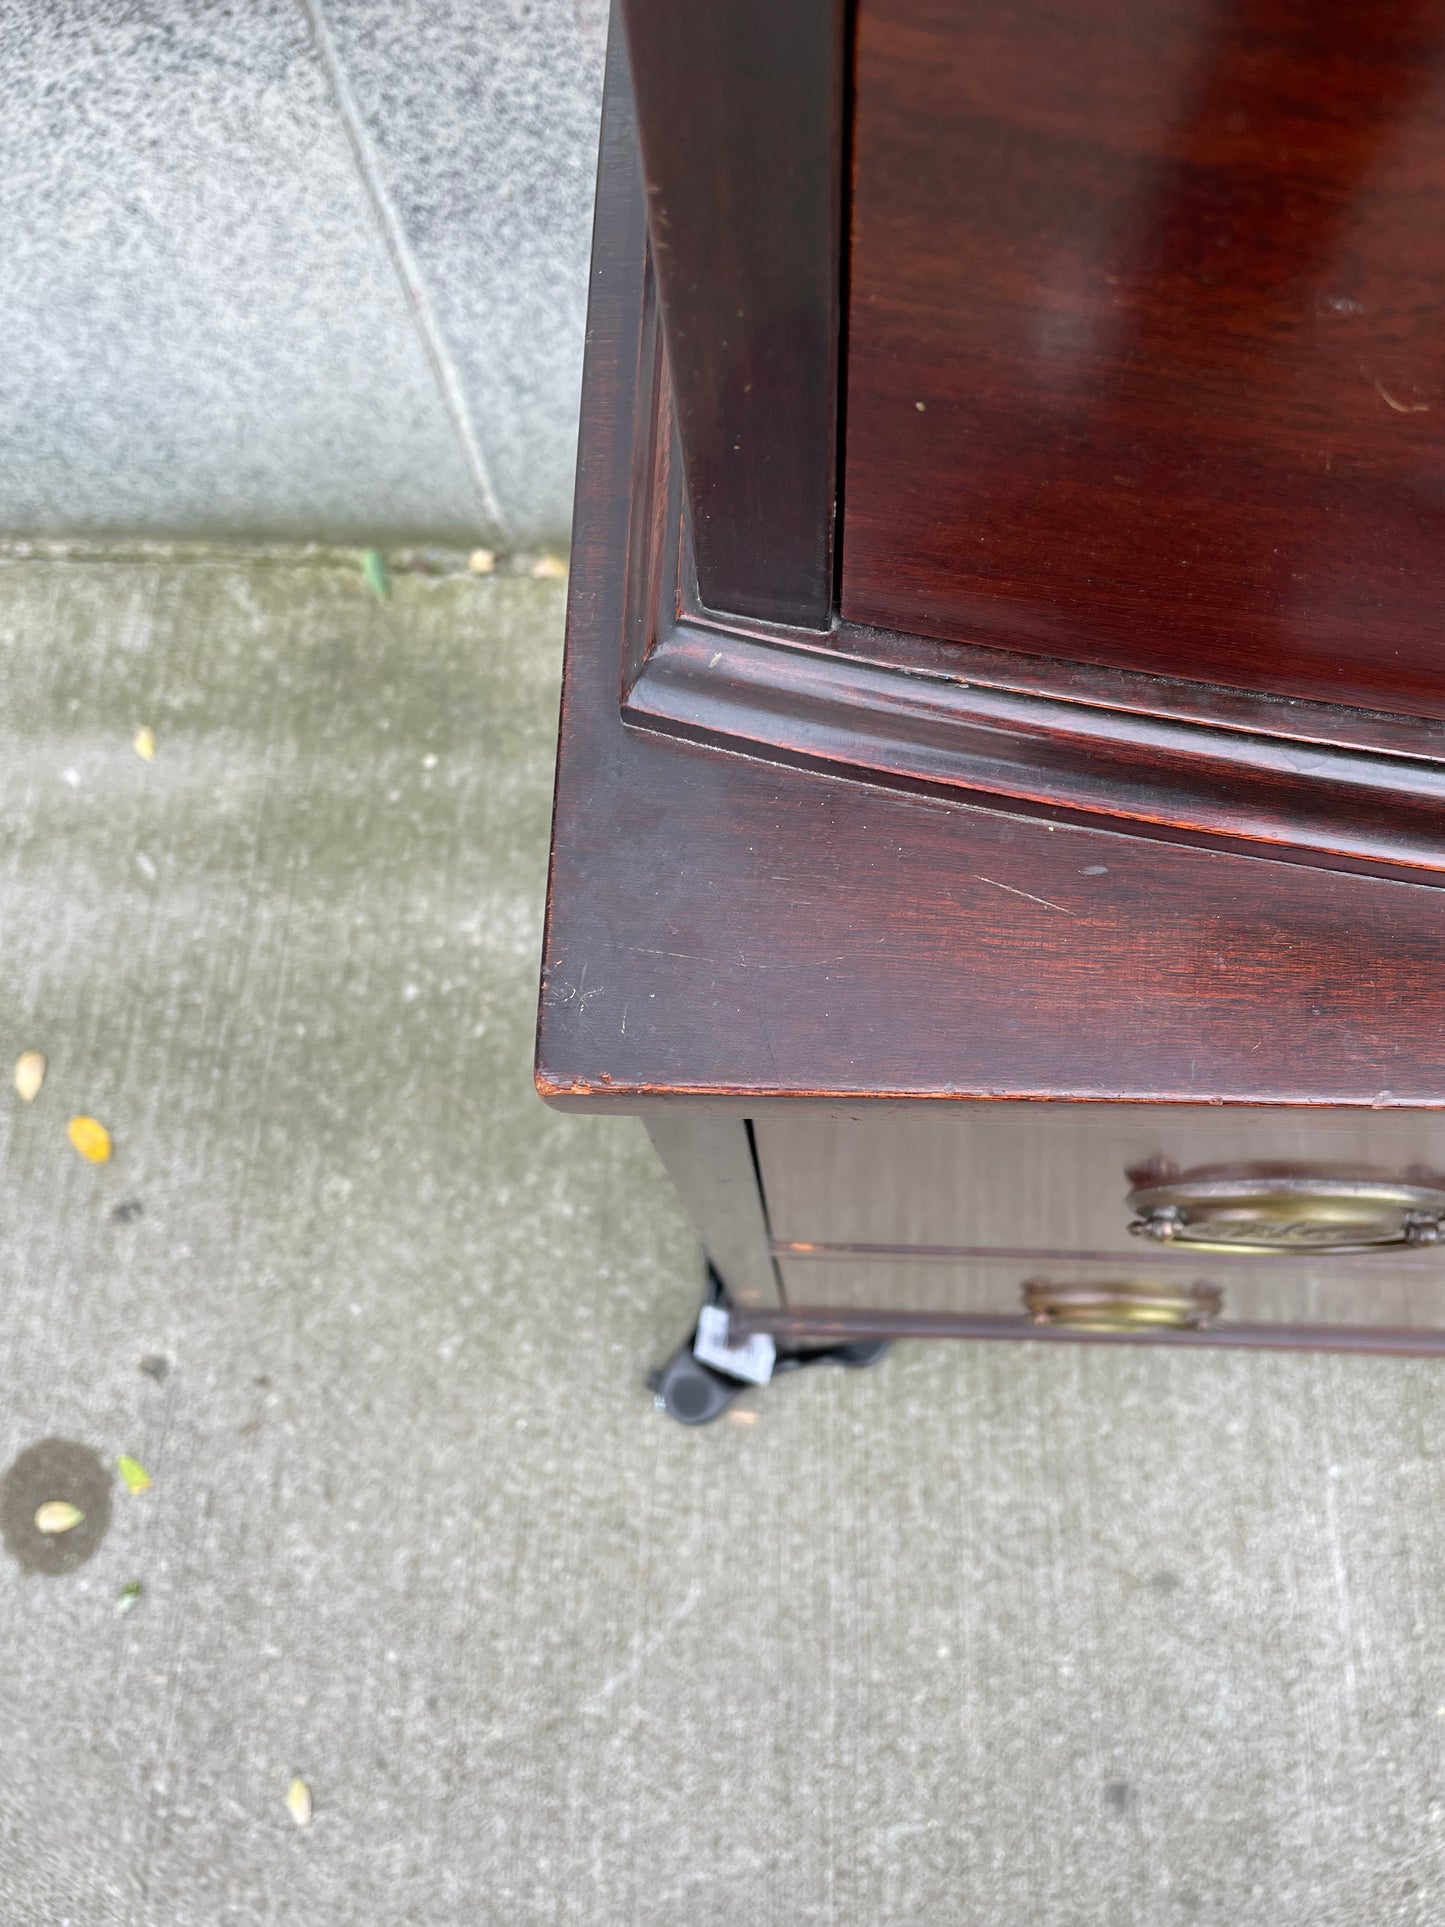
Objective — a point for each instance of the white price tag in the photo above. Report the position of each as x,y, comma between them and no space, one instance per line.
752,1361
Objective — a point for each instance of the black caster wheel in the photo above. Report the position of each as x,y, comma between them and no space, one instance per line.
691,1392
863,1353
694,1393
857,1356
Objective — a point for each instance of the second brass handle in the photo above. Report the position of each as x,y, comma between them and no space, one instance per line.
1123,1306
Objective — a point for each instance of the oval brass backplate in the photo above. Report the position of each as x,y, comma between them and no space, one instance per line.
1287,1214
1123,1307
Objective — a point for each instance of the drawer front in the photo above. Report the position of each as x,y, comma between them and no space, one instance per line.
1057,1179
1362,1294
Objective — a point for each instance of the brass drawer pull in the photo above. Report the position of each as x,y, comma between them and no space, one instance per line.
1123,1307
1283,1214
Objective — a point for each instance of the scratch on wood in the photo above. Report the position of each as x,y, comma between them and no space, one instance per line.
565,994
1401,407
1025,894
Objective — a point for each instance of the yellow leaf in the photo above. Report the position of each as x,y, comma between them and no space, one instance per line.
137,1479
145,744
57,1515
549,568
298,1802
482,561
29,1074
91,1139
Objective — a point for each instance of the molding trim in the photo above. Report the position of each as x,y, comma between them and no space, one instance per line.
1313,783
835,711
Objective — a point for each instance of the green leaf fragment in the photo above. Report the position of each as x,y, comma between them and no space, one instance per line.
128,1595
137,1479
373,567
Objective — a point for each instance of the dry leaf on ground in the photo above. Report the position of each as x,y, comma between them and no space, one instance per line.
549,568
29,1074
137,1479
57,1515
91,1139
482,561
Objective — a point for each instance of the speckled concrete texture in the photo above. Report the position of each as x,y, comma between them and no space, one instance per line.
483,121
275,270
1005,1636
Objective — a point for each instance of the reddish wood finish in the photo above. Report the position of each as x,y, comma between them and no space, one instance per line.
1313,782
713,1166
1056,1180
1320,783
854,708
1145,361
740,108
723,929
820,1325
1271,1291
744,936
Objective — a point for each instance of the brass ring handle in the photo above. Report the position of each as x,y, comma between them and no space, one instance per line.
1123,1307
1287,1214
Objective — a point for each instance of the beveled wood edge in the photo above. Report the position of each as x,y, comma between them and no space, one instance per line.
820,709
750,1100
1393,1259
803,1325
1292,719
1310,783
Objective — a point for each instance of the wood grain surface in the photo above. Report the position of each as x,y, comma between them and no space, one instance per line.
724,929
1363,1293
740,111
864,705
1145,365
1056,1179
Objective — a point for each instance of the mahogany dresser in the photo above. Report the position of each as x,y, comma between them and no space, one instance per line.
1000,818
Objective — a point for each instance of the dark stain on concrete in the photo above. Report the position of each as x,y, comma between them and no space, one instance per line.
1119,1799
54,1469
